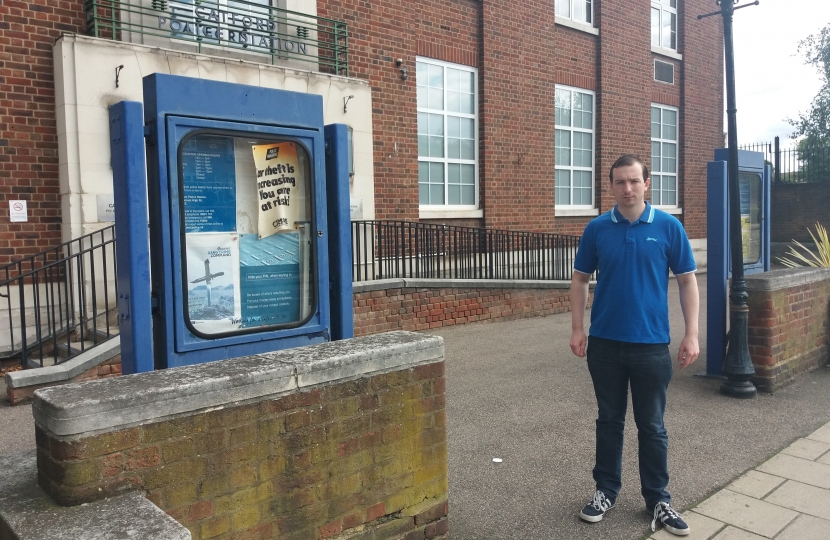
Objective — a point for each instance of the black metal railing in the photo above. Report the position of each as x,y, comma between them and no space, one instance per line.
61,301
216,27
401,249
806,163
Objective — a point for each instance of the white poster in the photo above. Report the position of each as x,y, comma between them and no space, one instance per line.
17,211
213,299
277,169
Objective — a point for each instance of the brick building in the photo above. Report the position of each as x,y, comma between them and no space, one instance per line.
496,114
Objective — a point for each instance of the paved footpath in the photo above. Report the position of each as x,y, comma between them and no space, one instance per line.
785,498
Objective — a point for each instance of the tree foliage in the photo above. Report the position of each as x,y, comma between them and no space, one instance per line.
814,125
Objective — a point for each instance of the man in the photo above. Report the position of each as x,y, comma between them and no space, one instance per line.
633,247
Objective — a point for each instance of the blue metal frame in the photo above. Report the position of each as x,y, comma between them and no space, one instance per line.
132,251
174,107
718,251
340,237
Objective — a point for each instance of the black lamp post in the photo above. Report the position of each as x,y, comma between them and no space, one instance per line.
738,365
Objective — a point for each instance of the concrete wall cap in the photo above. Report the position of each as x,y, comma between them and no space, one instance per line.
66,370
786,278
121,402
30,514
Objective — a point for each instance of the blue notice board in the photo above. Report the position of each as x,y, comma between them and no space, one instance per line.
269,279
209,178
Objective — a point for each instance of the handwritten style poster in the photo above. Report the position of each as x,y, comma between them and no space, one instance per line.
277,169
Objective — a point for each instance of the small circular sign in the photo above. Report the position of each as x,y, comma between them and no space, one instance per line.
18,206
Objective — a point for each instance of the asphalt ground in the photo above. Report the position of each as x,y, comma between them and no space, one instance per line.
515,392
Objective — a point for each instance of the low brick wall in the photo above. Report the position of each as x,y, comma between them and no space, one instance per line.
344,439
789,322
24,394
421,304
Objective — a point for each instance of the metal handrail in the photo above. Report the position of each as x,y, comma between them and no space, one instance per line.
219,25
60,289
386,249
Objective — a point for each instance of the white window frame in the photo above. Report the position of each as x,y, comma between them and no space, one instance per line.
565,9
657,170
441,210
663,9
557,205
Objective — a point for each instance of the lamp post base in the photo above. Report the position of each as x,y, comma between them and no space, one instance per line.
738,389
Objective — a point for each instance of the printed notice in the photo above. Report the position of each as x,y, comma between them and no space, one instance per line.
17,211
269,276
277,170
209,184
213,282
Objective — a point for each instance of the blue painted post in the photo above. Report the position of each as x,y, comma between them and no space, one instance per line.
717,264
132,249
340,237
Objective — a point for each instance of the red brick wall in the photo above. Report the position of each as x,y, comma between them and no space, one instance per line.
788,327
28,131
421,308
625,70
701,118
796,208
516,116
380,33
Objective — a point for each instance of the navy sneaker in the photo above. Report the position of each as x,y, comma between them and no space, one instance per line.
671,520
595,509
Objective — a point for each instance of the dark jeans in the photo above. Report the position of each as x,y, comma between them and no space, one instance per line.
648,369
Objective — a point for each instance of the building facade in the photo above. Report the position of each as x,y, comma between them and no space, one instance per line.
471,112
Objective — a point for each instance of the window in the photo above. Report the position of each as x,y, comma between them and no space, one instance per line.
664,24
447,134
574,121
577,10
247,249
663,156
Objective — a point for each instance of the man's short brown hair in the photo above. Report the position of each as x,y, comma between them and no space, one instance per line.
626,160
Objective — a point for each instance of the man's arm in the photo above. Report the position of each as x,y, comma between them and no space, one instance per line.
579,301
690,305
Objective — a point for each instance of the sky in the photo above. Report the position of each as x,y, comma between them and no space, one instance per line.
772,82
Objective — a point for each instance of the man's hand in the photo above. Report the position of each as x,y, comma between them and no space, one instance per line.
689,351
690,305
578,342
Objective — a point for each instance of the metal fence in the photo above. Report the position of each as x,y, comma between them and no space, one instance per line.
807,163
282,36
401,249
60,302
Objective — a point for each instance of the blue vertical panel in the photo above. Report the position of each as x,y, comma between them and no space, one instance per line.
176,107
717,255
340,238
132,250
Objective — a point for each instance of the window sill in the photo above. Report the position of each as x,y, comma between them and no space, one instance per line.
666,52
673,210
450,213
575,212
582,27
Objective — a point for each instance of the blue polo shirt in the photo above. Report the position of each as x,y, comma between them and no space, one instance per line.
631,297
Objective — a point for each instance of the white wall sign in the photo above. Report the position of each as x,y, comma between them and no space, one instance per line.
106,208
17,211
356,208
